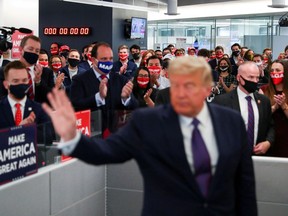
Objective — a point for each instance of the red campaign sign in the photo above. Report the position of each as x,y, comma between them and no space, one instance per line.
16,40
83,124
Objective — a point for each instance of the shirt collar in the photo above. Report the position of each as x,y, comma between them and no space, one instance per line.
202,116
12,102
98,75
243,95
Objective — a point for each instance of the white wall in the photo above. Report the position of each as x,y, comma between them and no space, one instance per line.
20,13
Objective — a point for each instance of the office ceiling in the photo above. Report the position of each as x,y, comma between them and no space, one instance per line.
194,2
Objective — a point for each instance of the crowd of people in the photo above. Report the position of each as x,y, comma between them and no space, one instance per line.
138,78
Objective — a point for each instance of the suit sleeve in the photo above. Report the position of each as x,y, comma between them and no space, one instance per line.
245,180
271,132
78,97
117,148
45,86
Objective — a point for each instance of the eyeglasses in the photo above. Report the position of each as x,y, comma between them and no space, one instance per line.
142,75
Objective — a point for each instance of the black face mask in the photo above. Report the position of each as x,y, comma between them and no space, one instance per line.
136,56
73,62
31,58
250,86
223,68
236,53
19,91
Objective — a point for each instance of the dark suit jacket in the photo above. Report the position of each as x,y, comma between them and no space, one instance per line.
84,65
234,66
130,71
154,139
41,90
265,125
67,81
163,96
213,63
7,118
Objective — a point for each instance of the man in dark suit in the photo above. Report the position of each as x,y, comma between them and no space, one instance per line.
248,77
16,82
41,78
235,58
165,142
163,96
219,51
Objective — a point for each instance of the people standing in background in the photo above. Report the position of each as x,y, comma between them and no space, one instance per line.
55,64
235,58
43,58
54,48
159,54
86,62
219,52
147,54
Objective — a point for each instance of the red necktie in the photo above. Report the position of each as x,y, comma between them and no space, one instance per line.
103,77
30,90
18,114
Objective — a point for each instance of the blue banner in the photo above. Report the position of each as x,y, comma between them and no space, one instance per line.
18,152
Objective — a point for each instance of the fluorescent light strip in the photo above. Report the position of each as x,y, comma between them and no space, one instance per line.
113,5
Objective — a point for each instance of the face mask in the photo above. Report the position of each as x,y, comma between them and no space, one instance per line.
219,56
258,63
43,63
136,56
142,81
54,52
277,77
223,68
105,67
19,91
212,57
31,58
265,60
249,86
56,66
73,62
88,56
123,57
236,53
154,69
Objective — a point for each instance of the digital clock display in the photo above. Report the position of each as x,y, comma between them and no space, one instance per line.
67,31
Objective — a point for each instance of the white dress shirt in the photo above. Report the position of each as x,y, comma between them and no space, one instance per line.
244,111
13,102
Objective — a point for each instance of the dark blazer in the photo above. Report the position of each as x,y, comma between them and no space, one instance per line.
84,87
130,71
154,139
234,66
67,81
85,65
41,90
163,96
213,63
5,62
265,126
7,118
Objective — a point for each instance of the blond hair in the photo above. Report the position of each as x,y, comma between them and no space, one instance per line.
191,65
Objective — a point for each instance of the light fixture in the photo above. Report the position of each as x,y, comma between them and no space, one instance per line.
113,5
278,4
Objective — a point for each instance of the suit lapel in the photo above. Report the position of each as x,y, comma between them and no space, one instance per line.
175,146
235,100
8,114
260,111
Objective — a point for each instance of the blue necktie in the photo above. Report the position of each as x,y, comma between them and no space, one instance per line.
202,163
250,128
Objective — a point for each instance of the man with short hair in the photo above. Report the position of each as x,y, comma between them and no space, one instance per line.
86,64
219,51
135,51
193,156
166,51
16,108
41,79
159,54
235,58
246,100
123,66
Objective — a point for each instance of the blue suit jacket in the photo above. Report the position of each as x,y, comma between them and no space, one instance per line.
130,71
7,118
154,139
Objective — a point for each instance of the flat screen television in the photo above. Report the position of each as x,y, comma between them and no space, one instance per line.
138,27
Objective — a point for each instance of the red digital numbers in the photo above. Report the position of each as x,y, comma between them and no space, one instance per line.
67,31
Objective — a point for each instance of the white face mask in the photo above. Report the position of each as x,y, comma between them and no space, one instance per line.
258,63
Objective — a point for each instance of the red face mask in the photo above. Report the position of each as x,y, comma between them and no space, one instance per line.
212,57
219,56
89,56
43,63
265,60
277,77
54,52
154,69
56,66
123,57
142,81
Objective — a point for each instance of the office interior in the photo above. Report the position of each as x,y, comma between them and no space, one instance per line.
74,188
